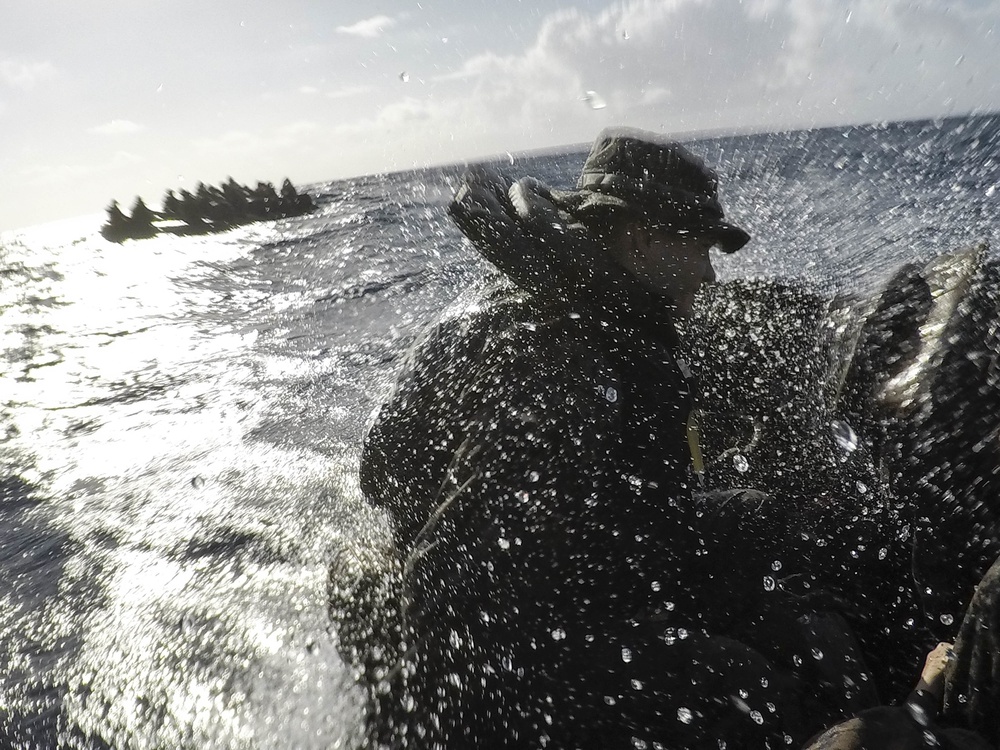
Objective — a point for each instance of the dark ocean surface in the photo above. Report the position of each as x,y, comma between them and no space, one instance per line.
181,419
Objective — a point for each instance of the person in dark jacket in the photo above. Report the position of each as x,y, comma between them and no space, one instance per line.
954,704
912,725
537,460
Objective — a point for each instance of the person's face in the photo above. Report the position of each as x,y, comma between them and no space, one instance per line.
674,265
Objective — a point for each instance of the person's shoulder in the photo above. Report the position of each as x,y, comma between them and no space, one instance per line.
504,321
552,335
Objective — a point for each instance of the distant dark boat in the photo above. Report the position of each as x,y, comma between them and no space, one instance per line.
209,209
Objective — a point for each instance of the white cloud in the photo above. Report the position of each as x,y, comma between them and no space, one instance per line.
243,143
348,91
294,131
60,175
117,127
687,65
45,175
25,75
693,64
369,28
232,142
126,158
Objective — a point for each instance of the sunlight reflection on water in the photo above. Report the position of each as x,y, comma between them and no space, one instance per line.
132,384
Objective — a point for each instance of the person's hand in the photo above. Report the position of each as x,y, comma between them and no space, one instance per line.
532,200
932,675
481,208
517,227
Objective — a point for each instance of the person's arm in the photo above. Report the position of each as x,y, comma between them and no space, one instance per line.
529,478
416,431
544,249
924,702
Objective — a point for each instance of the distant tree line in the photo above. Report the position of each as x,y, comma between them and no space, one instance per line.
207,209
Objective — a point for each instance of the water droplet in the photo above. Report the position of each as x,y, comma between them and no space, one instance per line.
862,488
625,35
947,619
740,463
533,476
817,654
756,716
654,585
883,553
918,713
611,394
684,715
636,684
626,654
797,660
844,435
198,482
404,77
610,700
769,583
503,543
558,634
594,100
776,566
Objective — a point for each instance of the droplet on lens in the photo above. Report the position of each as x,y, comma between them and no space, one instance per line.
844,435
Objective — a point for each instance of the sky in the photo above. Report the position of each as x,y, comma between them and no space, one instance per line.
103,100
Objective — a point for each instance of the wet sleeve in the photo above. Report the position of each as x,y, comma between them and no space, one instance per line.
544,249
415,433
525,491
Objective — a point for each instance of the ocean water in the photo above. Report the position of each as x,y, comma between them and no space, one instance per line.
181,419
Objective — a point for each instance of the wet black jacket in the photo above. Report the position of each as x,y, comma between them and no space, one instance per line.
533,428
550,421
556,581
